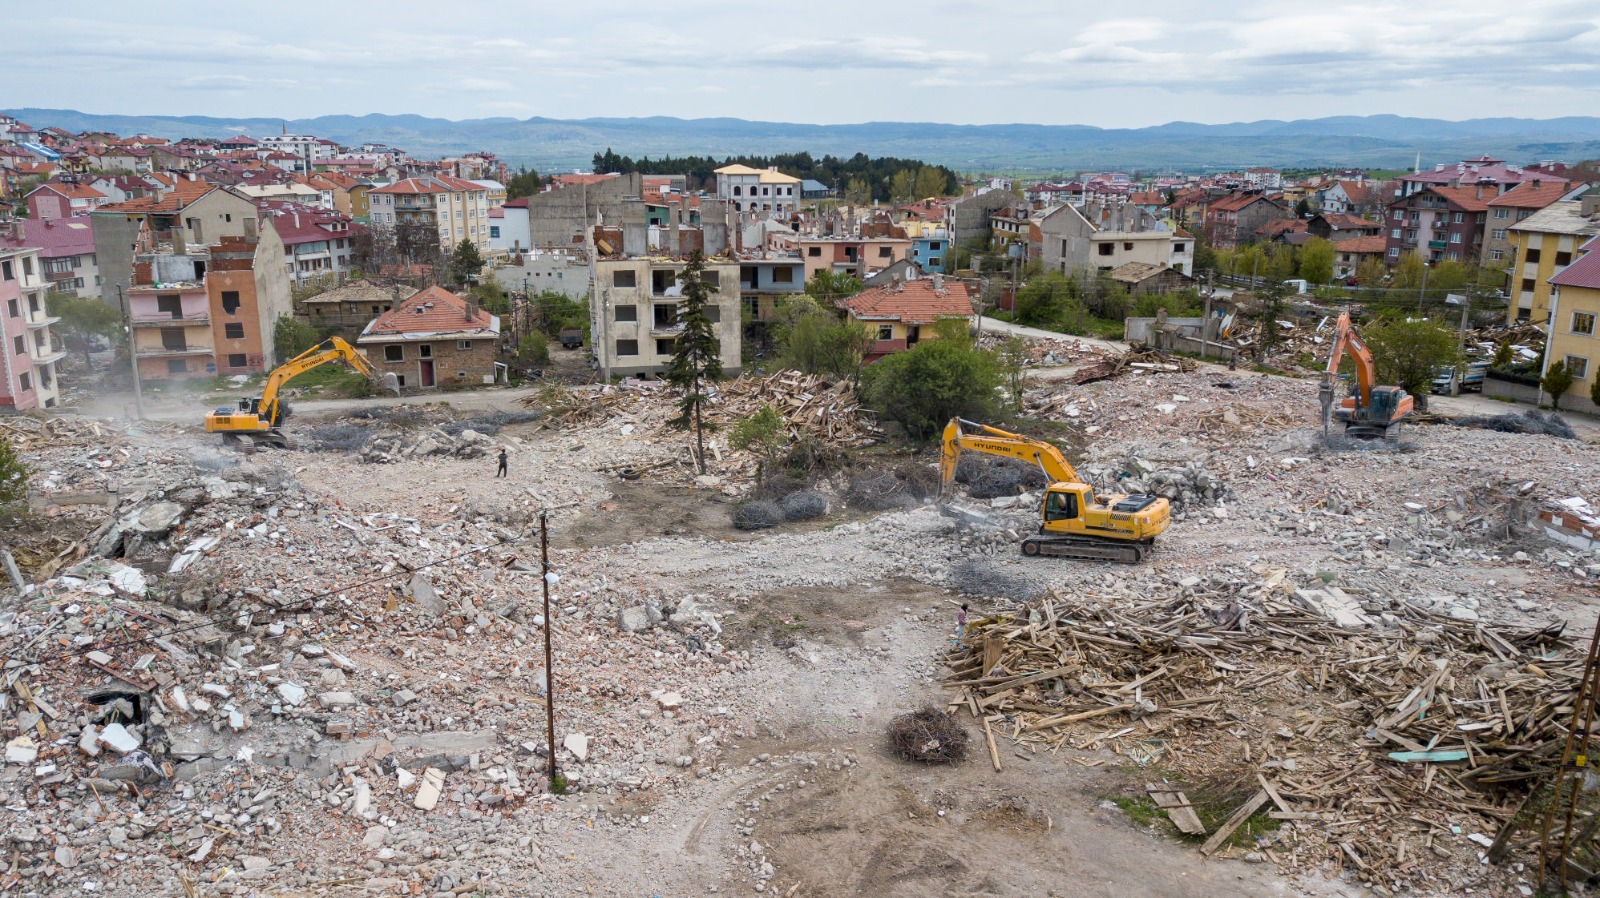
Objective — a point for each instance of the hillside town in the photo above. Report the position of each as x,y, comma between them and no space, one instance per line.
376,525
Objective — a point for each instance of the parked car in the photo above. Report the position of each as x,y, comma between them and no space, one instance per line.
1452,381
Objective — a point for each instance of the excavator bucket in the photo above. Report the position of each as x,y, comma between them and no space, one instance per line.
388,381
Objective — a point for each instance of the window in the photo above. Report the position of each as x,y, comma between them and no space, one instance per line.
425,351
713,314
1060,506
177,366
783,275
664,346
1176,247
1564,257
236,360
812,251
713,279
1583,323
1498,234
934,262
1527,285
628,312
1533,255
6,272
399,380
1394,252
12,309
624,278
885,252
1497,254
494,232
463,346
1107,249
627,347
21,344
1455,237
1395,233
233,332
394,353
172,338
1456,218
170,305
935,245
1578,365
1499,213
24,382
737,190
885,332
27,266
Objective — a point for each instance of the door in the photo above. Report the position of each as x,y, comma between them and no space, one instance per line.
425,373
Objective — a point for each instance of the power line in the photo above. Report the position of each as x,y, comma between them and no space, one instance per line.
307,605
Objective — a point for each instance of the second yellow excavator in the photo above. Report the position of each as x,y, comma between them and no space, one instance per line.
257,420
1074,523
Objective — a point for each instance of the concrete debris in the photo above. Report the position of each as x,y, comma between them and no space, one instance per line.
578,744
428,792
117,737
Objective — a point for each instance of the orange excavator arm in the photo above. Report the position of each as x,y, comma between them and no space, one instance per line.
1346,338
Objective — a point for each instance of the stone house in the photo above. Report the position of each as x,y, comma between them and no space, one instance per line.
434,338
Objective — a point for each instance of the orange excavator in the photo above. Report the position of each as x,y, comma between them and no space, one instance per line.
1370,412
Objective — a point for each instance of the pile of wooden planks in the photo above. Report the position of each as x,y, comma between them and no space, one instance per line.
1134,361
1376,748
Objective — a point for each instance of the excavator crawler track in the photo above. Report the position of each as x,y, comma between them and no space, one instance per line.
1085,549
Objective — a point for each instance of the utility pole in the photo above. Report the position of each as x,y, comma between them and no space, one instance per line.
549,668
133,357
1205,323
1422,291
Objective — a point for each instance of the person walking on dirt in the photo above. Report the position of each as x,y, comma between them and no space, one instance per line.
502,471
961,624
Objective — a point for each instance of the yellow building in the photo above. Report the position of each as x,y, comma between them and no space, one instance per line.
1546,243
1574,314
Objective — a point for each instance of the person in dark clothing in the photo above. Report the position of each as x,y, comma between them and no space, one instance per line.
502,471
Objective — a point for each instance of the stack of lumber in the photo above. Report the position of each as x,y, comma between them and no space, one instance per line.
1375,747
1134,361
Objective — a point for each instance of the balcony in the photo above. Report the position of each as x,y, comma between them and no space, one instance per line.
47,355
193,319
1435,244
172,352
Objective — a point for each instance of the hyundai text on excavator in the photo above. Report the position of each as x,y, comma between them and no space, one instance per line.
1372,411
257,420
1074,523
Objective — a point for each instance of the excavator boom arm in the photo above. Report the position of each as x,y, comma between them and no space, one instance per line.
994,441
331,349
1346,338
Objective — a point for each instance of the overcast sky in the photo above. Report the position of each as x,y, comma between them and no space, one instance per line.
825,61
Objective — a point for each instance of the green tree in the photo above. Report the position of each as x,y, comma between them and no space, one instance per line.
761,433
1272,297
1302,209
902,186
815,340
694,353
1503,354
858,191
534,350
291,336
1371,272
1316,261
1407,352
13,483
492,296
828,285
927,385
84,319
1013,361
1407,273
558,311
524,183
930,182
1051,300
1594,391
1557,381
465,262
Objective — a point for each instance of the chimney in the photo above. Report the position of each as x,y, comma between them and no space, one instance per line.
472,310
938,283
1589,204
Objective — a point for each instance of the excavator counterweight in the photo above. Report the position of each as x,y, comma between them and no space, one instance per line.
257,420
1074,522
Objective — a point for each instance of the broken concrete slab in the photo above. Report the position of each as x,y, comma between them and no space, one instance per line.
578,744
21,750
291,693
428,793
117,737
158,518
421,591
338,699
633,620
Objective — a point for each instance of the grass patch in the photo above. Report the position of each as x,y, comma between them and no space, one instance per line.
1213,800
1140,809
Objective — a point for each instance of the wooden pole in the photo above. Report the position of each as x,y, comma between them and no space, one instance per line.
549,667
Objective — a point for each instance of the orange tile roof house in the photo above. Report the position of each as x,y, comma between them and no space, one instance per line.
901,312
434,338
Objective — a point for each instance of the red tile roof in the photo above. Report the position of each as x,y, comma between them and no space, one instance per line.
182,193
1372,244
430,184
298,224
428,312
1585,272
72,191
1342,222
54,239
1532,194
911,302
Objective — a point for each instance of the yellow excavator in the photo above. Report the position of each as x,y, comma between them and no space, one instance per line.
257,420
1074,523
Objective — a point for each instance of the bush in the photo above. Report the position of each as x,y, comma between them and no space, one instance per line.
937,380
879,491
291,336
804,505
13,483
1557,381
534,350
757,515
929,736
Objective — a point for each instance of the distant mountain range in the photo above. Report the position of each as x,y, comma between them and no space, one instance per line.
551,145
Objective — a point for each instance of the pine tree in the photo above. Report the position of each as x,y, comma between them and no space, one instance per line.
694,353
